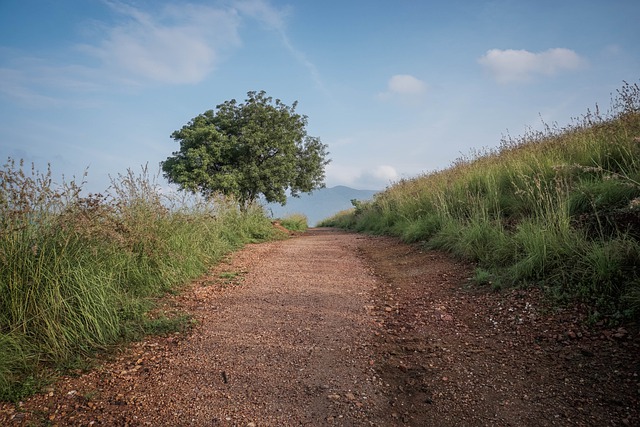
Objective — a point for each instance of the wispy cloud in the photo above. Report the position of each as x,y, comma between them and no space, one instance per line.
171,44
174,45
275,19
262,11
14,84
177,45
405,87
36,82
510,65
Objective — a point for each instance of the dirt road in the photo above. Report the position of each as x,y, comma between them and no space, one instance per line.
331,328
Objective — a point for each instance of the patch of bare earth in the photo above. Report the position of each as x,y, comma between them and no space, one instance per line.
332,328
456,355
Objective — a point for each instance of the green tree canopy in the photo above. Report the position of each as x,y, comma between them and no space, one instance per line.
245,150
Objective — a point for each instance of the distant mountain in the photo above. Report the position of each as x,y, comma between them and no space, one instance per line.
320,204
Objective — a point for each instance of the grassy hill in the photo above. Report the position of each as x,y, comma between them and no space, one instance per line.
558,209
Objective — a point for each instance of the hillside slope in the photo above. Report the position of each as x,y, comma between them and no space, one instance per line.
558,209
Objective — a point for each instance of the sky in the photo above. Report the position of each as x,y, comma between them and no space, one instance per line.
394,88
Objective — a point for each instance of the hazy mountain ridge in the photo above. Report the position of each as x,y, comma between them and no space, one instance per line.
321,203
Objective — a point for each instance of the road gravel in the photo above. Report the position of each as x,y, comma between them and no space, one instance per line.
335,328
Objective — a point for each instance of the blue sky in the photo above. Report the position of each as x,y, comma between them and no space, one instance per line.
394,89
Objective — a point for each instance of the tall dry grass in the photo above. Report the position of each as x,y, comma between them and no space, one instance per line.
78,272
559,208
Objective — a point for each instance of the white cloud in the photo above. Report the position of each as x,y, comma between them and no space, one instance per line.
404,87
521,65
385,173
405,84
172,44
362,177
177,45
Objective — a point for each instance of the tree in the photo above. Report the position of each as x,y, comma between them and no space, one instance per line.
245,150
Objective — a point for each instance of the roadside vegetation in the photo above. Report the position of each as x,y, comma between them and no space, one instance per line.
558,208
79,273
295,222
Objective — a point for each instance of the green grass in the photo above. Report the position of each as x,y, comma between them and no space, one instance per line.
165,325
295,222
234,278
79,273
558,208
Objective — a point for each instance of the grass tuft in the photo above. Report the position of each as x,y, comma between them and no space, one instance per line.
295,222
